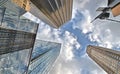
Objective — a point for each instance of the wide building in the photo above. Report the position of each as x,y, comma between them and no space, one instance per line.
43,57
53,12
107,59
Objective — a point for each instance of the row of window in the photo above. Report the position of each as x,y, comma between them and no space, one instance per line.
105,59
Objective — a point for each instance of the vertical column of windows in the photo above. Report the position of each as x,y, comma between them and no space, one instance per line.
111,60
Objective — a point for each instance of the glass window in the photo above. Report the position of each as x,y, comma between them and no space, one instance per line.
14,63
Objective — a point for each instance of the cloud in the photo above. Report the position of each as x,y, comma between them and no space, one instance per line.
84,22
105,33
65,63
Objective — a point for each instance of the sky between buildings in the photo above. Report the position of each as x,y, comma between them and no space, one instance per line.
76,34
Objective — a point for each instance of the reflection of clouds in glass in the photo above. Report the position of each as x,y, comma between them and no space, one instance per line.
12,21
14,63
44,55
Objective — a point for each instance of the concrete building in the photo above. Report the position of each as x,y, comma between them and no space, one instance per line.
107,59
43,57
52,12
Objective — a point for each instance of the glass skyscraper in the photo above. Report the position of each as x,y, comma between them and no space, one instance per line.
43,57
19,53
17,37
16,31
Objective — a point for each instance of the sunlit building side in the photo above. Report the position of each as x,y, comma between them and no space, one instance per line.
53,12
107,59
115,7
116,10
25,4
43,57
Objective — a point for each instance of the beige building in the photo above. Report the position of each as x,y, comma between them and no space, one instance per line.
116,10
52,12
25,4
107,59
115,7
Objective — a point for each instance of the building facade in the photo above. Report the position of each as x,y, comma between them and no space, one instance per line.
107,59
43,57
52,12
115,7
17,37
25,4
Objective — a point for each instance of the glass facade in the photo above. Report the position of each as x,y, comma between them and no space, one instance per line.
17,37
43,56
16,32
15,63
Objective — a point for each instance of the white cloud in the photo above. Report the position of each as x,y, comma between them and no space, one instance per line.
65,63
105,33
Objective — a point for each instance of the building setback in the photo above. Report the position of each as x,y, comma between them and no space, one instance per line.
52,12
107,59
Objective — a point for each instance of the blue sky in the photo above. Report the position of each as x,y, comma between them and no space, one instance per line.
76,34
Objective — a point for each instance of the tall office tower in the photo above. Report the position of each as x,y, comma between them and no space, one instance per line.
43,57
106,58
52,12
16,32
17,36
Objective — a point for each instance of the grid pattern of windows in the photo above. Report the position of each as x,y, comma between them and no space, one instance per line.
42,62
108,59
12,40
15,63
11,20
57,11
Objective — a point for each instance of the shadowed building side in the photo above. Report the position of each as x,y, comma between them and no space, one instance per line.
107,59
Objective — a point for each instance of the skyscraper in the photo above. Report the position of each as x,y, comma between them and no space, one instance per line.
43,57
16,31
107,59
52,12
17,37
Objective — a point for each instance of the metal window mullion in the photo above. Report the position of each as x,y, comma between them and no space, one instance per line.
62,10
57,20
59,11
